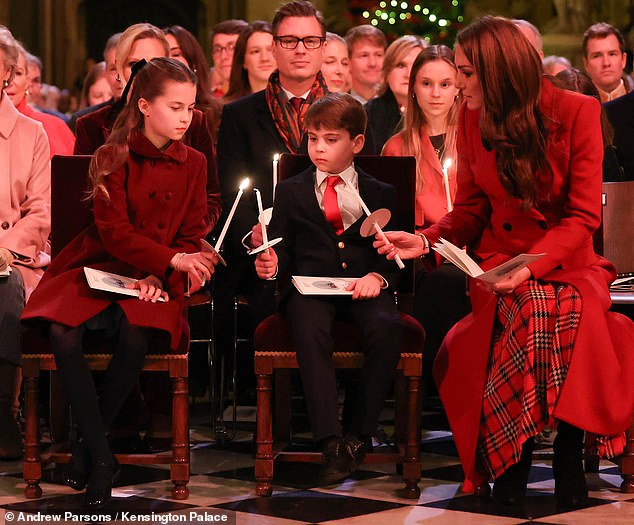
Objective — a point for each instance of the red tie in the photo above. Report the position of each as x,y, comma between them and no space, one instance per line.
331,205
297,103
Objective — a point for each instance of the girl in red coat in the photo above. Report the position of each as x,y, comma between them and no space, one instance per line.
540,347
148,192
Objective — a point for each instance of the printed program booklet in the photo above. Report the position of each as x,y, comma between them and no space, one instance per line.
460,258
321,285
111,282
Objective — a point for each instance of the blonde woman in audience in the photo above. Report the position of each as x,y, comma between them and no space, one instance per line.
336,65
60,137
24,227
429,134
385,113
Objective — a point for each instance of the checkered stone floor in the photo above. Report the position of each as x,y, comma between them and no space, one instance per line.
223,482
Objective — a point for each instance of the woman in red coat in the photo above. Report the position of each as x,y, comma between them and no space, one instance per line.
149,207
540,347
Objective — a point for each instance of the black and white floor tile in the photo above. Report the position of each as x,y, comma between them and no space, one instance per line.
222,481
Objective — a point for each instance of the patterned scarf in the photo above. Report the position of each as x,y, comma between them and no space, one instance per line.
290,123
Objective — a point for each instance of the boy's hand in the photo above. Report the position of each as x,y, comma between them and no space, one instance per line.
368,287
256,236
266,264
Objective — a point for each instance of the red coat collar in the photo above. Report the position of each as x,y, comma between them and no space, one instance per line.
141,145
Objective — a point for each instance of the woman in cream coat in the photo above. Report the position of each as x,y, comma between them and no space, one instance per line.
24,228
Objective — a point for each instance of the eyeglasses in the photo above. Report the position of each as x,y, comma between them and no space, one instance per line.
219,50
291,42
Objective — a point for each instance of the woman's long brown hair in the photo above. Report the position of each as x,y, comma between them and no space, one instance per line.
510,74
149,83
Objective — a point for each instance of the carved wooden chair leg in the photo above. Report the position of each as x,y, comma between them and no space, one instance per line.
411,461
179,468
32,460
264,437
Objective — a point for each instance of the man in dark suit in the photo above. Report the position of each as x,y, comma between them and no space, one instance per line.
318,214
252,131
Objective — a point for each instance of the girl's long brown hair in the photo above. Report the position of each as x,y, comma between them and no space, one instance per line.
149,83
510,74
415,120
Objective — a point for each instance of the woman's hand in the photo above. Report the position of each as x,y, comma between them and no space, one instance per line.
150,289
368,287
6,258
199,267
508,284
407,245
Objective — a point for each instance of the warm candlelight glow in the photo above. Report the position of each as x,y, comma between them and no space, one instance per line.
445,178
276,157
244,184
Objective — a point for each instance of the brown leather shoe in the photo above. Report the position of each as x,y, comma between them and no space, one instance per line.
337,462
357,448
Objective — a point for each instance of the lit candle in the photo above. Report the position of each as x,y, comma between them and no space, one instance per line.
276,160
377,228
445,179
243,185
265,239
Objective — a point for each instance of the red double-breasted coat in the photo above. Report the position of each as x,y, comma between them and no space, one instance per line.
597,394
156,209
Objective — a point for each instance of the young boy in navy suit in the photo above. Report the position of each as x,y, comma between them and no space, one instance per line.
318,214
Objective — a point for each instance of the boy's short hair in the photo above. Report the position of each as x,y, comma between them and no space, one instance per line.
337,111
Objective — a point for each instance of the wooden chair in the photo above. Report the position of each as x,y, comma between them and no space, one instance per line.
70,214
618,247
273,348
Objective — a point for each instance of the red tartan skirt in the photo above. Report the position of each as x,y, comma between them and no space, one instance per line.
533,342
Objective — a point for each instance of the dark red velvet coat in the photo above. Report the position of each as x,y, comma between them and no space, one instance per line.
156,209
93,129
597,395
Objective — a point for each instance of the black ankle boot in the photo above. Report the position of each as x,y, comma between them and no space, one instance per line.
510,487
76,470
571,489
99,489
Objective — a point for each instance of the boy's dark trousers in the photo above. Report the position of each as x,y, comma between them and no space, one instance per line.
310,319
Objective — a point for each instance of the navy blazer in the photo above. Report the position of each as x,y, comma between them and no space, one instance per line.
310,245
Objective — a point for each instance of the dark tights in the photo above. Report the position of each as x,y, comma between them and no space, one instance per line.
95,414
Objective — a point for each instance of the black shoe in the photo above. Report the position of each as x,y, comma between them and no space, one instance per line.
357,448
571,489
99,490
510,487
10,438
152,445
76,470
337,462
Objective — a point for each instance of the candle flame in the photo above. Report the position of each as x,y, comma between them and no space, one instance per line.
244,184
447,164
276,157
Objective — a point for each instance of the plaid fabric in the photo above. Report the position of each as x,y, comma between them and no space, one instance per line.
290,123
532,346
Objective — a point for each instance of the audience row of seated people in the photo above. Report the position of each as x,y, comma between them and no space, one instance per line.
506,191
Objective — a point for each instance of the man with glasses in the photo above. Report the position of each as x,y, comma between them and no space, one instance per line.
254,129
223,43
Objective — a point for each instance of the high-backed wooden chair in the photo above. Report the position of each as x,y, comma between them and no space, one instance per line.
273,348
70,214
617,235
